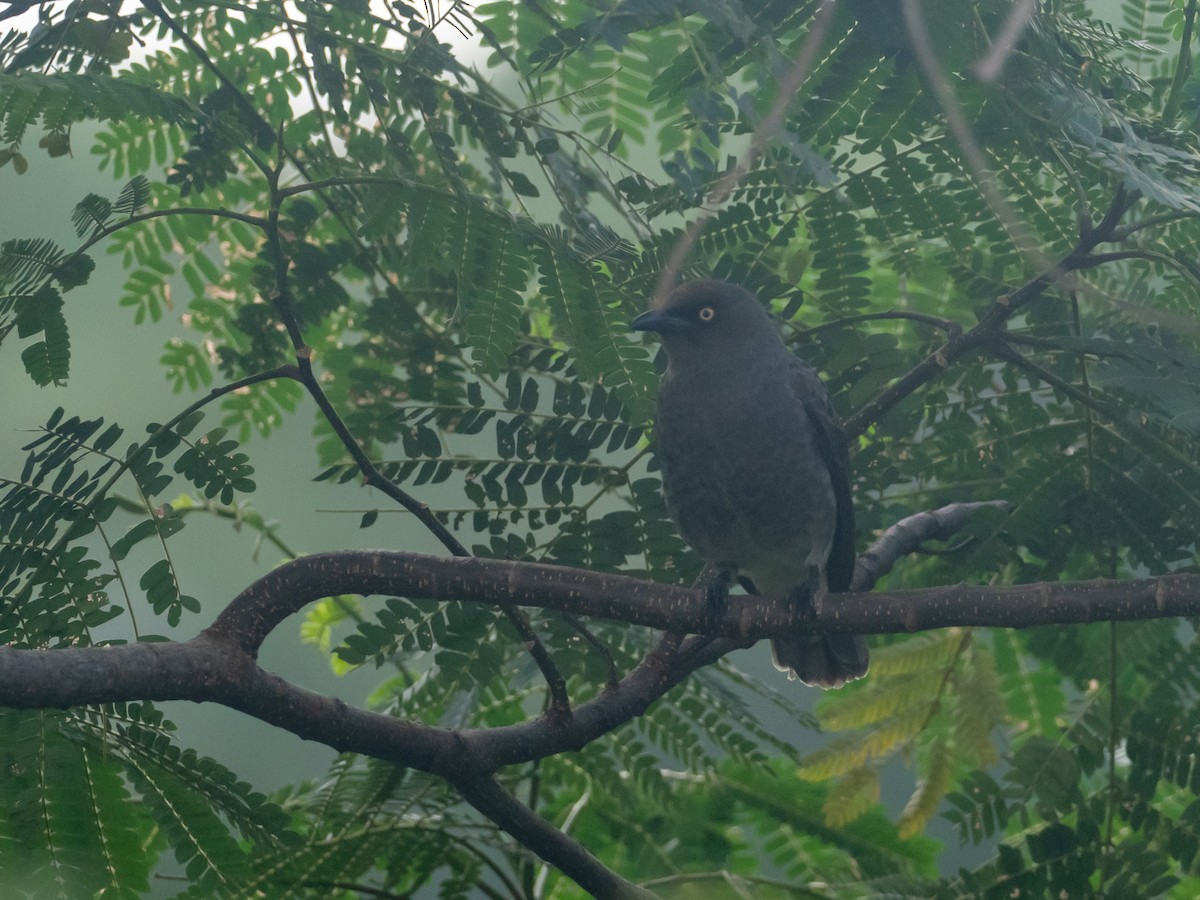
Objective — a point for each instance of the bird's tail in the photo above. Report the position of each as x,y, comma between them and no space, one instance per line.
828,661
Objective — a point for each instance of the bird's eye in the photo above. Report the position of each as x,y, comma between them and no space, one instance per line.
706,314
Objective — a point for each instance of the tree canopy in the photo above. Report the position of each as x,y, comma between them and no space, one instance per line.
424,228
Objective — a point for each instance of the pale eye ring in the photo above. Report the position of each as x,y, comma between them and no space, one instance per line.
706,314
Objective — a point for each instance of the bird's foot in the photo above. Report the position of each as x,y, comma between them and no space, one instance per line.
716,599
801,596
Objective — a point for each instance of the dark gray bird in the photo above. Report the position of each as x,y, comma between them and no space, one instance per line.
755,466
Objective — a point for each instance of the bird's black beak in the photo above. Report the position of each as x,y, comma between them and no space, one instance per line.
660,320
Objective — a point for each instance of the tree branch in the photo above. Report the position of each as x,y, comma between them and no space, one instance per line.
949,326
556,685
554,846
992,323
219,665
907,536
255,612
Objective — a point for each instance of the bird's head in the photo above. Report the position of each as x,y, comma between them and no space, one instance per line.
710,318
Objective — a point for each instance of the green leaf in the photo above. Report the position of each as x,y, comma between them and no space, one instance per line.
47,361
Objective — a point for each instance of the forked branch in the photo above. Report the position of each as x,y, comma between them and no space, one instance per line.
219,665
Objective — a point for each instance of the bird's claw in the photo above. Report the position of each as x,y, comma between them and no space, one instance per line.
716,599
801,596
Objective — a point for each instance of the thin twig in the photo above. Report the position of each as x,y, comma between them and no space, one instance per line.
771,124
1183,67
614,675
1166,218
1004,351
994,320
988,68
205,60
949,326
281,297
553,845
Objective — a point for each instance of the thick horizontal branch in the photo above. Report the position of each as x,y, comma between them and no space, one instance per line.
219,665
210,668
259,609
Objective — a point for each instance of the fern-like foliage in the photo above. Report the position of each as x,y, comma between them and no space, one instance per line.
63,99
456,244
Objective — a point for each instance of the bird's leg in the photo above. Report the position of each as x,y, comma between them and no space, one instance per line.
716,598
802,596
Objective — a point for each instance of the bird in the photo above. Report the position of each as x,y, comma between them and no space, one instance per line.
755,464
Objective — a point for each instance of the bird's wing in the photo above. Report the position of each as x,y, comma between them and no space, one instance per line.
831,443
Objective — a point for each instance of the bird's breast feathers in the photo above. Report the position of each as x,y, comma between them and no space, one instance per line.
743,479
